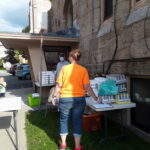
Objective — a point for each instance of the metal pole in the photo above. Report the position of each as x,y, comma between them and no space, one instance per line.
41,48
15,127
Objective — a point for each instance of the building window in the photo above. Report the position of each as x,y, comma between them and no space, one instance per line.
106,13
108,9
68,13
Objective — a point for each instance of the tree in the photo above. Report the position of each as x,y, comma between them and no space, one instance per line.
10,56
18,53
13,55
26,29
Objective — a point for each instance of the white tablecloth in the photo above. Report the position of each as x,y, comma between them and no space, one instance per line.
10,104
97,107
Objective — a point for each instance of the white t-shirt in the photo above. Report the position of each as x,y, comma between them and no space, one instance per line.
59,67
3,87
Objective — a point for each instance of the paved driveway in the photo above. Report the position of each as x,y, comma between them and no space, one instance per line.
13,82
15,88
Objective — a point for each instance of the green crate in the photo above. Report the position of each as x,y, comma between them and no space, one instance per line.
33,101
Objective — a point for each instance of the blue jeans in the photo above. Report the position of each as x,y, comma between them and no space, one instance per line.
71,107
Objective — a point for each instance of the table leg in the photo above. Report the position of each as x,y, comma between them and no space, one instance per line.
122,124
15,127
106,137
105,128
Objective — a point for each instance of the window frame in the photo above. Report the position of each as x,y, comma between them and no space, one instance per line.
102,6
108,16
105,24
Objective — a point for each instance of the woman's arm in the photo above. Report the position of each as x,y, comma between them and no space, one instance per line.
4,84
88,88
56,92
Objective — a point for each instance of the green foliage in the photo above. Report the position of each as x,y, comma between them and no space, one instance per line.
26,29
19,52
10,53
13,55
1,63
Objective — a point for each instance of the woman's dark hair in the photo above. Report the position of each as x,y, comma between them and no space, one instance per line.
75,54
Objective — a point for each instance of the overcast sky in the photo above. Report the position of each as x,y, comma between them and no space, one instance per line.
13,15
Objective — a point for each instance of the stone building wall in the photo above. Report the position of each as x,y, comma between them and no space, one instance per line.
98,38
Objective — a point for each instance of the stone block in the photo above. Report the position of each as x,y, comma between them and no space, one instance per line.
139,68
147,27
99,56
138,31
118,68
107,53
102,43
86,44
123,53
122,10
124,38
96,19
86,57
86,7
139,50
96,3
86,25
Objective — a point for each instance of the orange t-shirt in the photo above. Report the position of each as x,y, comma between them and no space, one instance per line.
73,77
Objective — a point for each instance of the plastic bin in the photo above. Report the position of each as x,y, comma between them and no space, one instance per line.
33,101
92,122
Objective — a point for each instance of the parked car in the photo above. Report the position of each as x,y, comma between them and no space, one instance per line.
23,72
13,69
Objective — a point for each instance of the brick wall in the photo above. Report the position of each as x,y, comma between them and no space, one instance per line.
98,39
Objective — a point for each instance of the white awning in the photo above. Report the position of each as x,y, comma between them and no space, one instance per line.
24,40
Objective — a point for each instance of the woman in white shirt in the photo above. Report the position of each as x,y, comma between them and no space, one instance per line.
2,87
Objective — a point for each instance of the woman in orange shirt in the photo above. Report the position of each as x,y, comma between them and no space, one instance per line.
72,83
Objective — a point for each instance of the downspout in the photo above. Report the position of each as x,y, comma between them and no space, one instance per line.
33,15
116,35
93,36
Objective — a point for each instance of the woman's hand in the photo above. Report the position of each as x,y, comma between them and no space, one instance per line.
88,88
57,90
54,100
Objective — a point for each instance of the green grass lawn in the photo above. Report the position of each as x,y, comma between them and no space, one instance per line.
43,134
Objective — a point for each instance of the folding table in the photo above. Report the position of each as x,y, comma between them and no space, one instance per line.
12,104
91,103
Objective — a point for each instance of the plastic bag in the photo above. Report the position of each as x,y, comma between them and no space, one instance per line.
108,87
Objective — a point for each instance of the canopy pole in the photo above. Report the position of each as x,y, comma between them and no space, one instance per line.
41,59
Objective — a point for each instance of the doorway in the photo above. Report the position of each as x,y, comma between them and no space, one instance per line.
140,94
51,54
